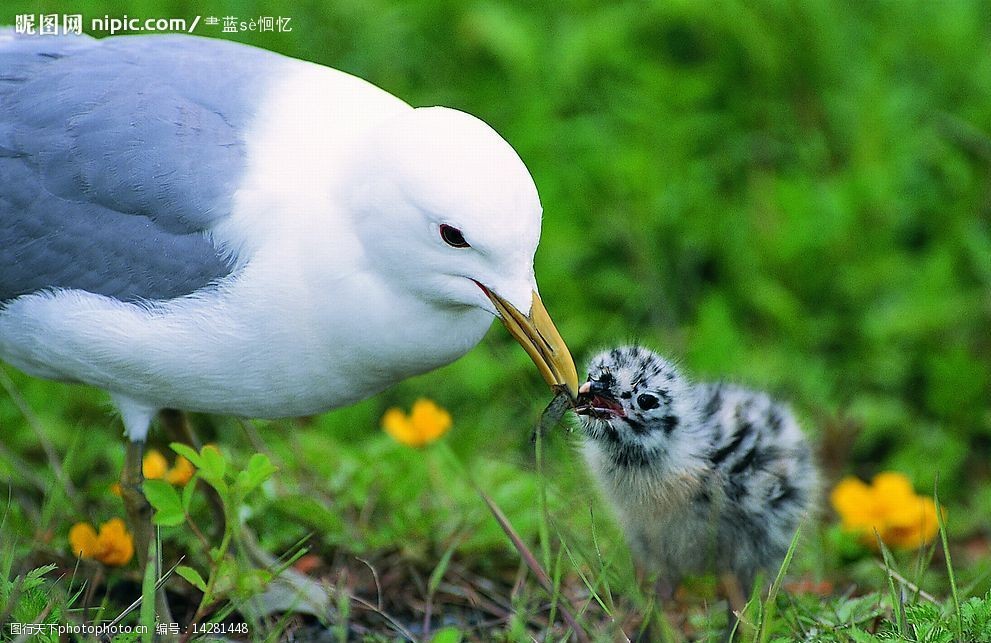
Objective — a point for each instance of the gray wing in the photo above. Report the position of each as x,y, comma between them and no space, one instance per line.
116,157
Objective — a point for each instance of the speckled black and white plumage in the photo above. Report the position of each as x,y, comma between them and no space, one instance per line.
707,477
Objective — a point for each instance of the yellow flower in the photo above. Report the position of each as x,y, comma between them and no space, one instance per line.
113,546
154,465
890,506
426,423
181,473
83,540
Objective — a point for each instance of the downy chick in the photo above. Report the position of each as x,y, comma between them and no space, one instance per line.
703,477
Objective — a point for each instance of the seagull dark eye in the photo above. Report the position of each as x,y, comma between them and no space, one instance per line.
647,402
453,237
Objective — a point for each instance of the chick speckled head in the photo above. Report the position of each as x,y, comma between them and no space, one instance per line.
635,398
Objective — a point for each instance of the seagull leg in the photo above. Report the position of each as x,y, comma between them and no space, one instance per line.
139,519
137,508
137,420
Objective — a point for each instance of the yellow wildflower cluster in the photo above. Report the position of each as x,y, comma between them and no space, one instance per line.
113,546
156,467
889,505
426,423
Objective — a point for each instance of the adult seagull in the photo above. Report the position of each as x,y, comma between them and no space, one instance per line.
201,225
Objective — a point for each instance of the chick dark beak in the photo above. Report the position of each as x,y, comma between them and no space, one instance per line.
596,398
593,387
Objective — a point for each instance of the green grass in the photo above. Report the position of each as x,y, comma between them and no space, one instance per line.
794,195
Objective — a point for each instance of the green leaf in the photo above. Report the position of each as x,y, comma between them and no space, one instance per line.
211,469
213,465
36,577
227,573
192,576
860,636
165,500
258,471
128,637
188,452
976,614
447,635
187,494
438,574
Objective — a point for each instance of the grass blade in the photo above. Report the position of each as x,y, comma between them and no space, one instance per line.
147,615
769,605
897,597
958,620
534,565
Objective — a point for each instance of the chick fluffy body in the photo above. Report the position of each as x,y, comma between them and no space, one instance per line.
708,477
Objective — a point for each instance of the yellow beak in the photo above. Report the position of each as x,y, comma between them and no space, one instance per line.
540,339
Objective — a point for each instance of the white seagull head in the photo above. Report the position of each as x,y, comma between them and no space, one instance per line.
451,213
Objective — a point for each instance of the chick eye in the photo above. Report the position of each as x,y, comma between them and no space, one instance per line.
647,402
453,237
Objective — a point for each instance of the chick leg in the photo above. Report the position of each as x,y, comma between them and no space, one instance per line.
668,615
736,600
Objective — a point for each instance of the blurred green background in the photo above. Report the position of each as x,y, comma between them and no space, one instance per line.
794,195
